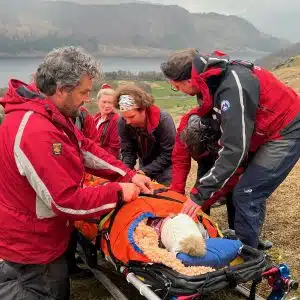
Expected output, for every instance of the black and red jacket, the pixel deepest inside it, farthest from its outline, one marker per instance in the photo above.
(251, 107)
(152, 145)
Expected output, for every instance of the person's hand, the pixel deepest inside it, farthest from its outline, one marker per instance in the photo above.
(130, 191)
(141, 172)
(190, 208)
(143, 183)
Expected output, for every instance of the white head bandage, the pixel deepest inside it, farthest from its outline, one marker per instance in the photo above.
(126, 102)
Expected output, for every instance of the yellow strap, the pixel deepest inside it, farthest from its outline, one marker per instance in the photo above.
(100, 226)
(237, 261)
(204, 215)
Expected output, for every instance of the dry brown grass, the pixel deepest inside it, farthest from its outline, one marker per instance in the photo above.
(281, 226)
(290, 73)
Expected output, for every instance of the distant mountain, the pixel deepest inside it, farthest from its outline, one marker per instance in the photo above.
(33, 27)
(275, 17)
(274, 60)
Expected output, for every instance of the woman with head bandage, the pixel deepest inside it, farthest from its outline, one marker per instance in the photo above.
(146, 133)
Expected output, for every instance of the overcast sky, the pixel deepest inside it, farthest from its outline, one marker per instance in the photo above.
(226, 6)
(278, 17)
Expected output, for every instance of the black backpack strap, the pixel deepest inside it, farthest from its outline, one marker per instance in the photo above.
(245, 63)
(157, 196)
(106, 232)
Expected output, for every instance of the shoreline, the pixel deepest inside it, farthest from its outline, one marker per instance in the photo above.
(146, 54)
(25, 56)
(137, 54)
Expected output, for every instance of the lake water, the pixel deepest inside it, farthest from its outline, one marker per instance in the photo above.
(22, 68)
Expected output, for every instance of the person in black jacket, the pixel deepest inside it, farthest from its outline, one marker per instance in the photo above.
(146, 133)
(259, 119)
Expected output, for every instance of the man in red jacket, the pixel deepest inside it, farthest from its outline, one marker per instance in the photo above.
(43, 157)
(255, 113)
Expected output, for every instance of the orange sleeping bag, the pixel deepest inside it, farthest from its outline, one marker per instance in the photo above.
(160, 205)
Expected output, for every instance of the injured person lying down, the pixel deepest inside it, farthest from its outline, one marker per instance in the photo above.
(151, 229)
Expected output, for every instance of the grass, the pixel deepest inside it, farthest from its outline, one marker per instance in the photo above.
(282, 220)
(165, 98)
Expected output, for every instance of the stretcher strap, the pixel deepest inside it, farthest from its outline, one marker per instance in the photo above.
(156, 195)
(106, 218)
(106, 232)
(207, 217)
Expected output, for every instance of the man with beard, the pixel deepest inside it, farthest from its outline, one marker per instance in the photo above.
(43, 158)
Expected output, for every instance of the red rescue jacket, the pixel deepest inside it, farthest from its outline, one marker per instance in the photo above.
(43, 158)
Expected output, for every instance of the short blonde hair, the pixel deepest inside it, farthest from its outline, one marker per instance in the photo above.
(141, 98)
(107, 92)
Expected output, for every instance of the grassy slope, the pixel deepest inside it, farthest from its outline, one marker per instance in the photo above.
(282, 223)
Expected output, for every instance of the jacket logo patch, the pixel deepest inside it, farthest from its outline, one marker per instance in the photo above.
(57, 148)
(225, 105)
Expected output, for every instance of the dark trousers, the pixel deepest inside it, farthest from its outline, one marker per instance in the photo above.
(70, 253)
(165, 177)
(268, 168)
(34, 282)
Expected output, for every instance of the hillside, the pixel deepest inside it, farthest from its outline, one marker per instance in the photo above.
(289, 72)
(279, 57)
(137, 29)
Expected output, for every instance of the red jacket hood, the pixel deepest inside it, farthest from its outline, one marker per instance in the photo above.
(21, 96)
(204, 67)
(152, 118)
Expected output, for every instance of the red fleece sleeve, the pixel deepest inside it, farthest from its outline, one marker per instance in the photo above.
(53, 166)
(99, 162)
(181, 165)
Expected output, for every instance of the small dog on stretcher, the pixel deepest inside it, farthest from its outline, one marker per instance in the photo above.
(151, 229)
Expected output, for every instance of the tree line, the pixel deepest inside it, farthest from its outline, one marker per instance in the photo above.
(122, 75)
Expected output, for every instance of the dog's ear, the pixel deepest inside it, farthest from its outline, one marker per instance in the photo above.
(193, 245)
